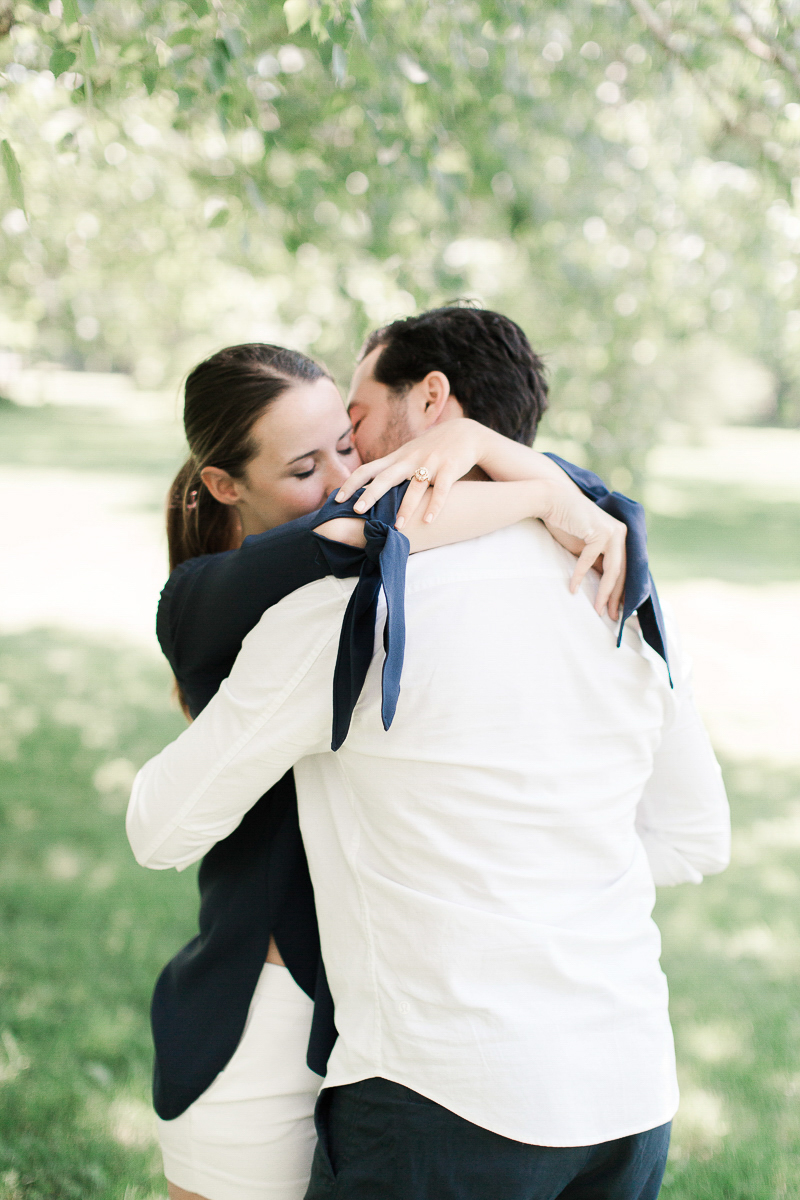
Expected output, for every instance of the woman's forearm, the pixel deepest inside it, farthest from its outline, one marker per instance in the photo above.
(475, 509)
(504, 460)
(472, 509)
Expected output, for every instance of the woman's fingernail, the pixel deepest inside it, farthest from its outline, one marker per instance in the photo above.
(340, 497)
(428, 518)
(400, 522)
(359, 506)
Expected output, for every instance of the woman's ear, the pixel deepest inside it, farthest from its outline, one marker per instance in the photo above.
(223, 487)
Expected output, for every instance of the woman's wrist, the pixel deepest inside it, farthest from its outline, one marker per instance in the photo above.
(542, 494)
(507, 461)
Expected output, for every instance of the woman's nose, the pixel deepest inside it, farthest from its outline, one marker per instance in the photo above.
(339, 470)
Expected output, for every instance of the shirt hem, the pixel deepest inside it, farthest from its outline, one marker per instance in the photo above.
(625, 1129)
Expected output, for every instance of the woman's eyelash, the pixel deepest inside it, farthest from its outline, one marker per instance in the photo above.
(349, 450)
(306, 474)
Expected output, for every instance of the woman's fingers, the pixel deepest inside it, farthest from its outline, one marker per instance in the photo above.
(586, 560)
(617, 593)
(414, 497)
(610, 548)
(360, 478)
(442, 484)
(613, 562)
(386, 479)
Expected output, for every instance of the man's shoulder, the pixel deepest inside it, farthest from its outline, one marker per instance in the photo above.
(522, 549)
(315, 599)
(295, 634)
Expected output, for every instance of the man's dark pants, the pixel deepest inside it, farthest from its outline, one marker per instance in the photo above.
(381, 1141)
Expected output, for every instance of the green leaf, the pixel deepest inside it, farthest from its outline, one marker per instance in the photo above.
(297, 13)
(186, 97)
(225, 109)
(13, 174)
(221, 218)
(235, 43)
(181, 37)
(71, 11)
(86, 6)
(89, 48)
(150, 79)
(61, 60)
(198, 7)
(218, 65)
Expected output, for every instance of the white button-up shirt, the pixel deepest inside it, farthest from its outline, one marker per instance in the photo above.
(483, 871)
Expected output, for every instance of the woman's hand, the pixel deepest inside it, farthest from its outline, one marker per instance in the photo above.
(596, 538)
(448, 452)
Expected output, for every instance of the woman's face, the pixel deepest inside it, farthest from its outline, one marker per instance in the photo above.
(305, 451)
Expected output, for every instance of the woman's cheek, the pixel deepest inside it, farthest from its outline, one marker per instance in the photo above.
(310, 494)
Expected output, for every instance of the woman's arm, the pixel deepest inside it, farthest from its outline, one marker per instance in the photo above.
(474, 509)
(210, 604)
(448, 452)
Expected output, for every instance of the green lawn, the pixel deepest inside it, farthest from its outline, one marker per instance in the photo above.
(725, 532)
(84, 930)
(88, 439)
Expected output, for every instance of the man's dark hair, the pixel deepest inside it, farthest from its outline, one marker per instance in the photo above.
(492, 368)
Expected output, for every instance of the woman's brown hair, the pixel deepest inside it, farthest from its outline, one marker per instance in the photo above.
(225, 396)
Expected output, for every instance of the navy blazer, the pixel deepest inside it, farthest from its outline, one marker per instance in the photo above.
(255, 883)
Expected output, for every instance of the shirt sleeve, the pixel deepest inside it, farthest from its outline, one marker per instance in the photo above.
(274, 709)
(683, 818)
(211, 603)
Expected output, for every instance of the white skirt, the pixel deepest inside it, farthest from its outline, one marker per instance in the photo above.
(251, 1136)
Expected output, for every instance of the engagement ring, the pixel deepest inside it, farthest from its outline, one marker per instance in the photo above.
(422, 475)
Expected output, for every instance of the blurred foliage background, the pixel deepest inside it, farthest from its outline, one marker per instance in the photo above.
(623, 180)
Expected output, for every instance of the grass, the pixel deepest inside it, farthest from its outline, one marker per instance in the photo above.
(84, 930)
(724, 532)
(87, 439)
(731, 954)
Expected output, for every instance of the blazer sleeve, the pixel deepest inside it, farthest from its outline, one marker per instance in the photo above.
(211, 603)
(274, 709)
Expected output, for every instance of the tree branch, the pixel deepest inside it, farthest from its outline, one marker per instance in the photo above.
(664, 35)
(766, 45)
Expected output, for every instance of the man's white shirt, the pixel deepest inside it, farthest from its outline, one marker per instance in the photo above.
(484, 870)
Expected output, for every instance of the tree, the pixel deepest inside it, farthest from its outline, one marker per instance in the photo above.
(617, 177)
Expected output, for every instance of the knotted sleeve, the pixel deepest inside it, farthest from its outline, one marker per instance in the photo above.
(383, 566)
(640, 591)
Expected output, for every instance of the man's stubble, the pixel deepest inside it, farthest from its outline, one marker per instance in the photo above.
(395, 433)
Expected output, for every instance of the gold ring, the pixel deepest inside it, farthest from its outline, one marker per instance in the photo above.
(422, 475)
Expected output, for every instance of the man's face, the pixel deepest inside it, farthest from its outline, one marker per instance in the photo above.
(382, 422)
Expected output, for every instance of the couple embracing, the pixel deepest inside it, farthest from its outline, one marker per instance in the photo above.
(435, 770)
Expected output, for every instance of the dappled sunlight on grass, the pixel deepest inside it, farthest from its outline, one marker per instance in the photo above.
(731, 954)
(84, 929)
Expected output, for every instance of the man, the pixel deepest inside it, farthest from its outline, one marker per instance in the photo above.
(480, 868)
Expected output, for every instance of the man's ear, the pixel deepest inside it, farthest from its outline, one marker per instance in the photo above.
(433, 393)
(223, 487)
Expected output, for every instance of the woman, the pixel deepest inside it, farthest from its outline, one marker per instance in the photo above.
(236, 1009)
